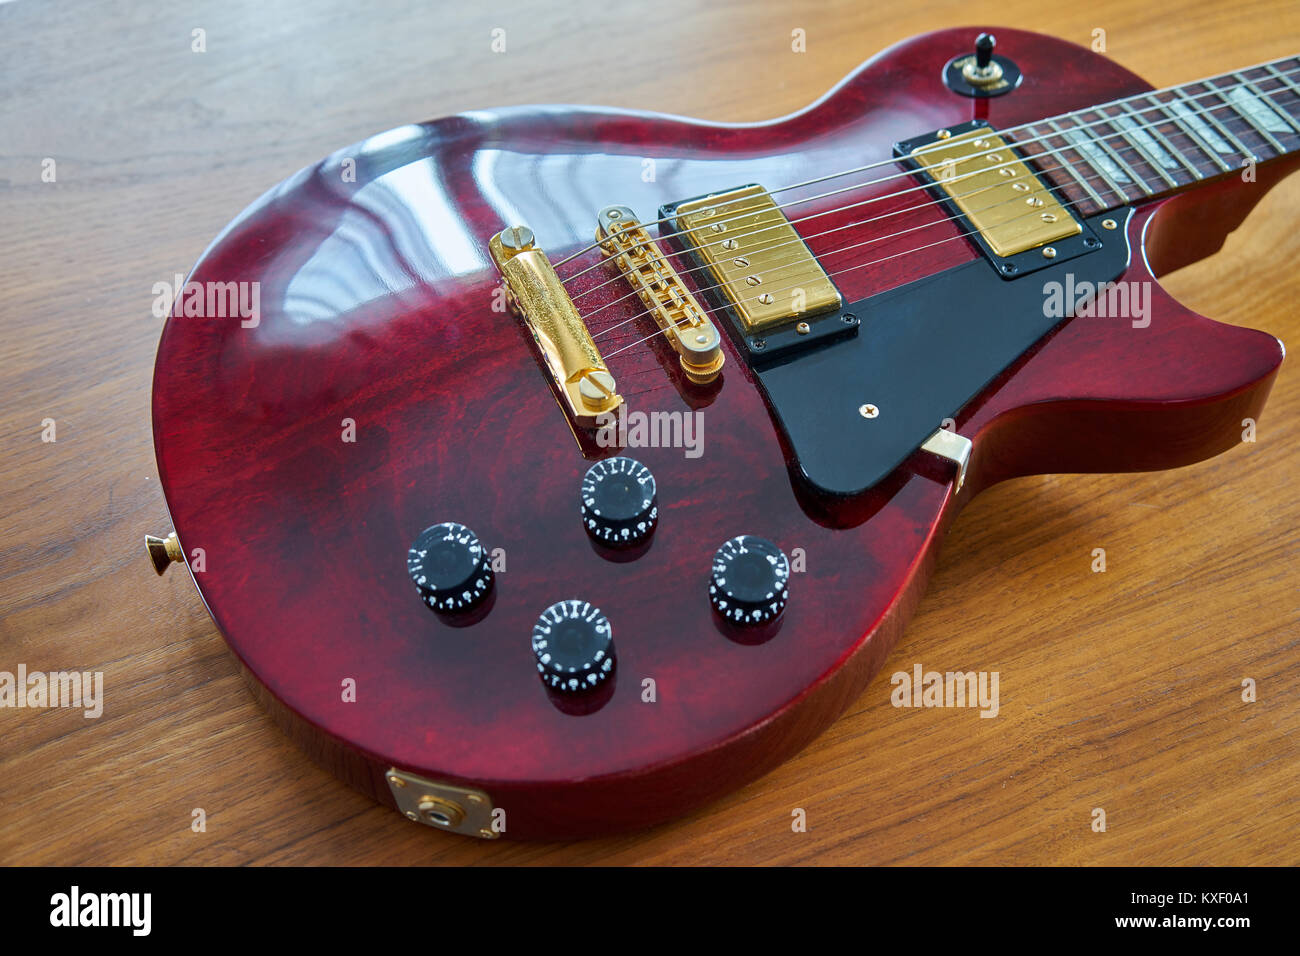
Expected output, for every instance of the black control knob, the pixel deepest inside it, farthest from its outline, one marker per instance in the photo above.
(984, 44)
(449, 567)
(750, 583)
(574, 646)
(620, 505)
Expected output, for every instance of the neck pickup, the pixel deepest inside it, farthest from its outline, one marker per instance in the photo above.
(986, 179)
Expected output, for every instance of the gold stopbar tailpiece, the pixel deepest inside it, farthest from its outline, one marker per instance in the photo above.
(535, 291)
(999, 194)
(766, 271)
(686, 328)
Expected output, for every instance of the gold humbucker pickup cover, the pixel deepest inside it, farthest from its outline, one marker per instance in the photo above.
(998, 193)
(535, 291)
(767, 273)
(686, 327)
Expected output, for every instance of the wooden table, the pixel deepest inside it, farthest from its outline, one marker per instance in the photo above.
(1120, 690)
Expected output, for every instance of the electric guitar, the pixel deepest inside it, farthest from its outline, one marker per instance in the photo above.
(552, 471)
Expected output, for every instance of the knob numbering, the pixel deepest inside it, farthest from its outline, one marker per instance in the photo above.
(750, 580)
(620, 503)
(450, 567)
(574, 647)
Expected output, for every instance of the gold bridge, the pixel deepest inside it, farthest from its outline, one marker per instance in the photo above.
(685, 325)
(535, 291)
(999, 194)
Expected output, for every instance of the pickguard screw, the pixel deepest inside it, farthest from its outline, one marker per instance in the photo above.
(758, 344)
(1049, 253)
(868, 410)
(1010, 268)
(848, 318)
(803, 328)
(1108, 224)
(1091, 242)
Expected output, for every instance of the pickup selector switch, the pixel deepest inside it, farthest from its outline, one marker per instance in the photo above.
(574, 647)
(620, 505)
(750, 582)
(449, 567)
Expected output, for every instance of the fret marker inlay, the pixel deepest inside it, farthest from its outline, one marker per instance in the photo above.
(1201, 128)
(1098, 157)
(1147, 142)
(1256, 111)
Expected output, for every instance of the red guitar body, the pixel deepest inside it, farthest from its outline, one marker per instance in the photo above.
(376, 295)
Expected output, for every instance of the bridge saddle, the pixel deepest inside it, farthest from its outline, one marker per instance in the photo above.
(685, 325)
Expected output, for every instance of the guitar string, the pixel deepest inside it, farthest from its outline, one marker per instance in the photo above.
(1211, 90)
(1208, 81)
(917, 206)
(860, 265)
(1069, 145)
(834, 252)
(1065, 165)
(837, 272)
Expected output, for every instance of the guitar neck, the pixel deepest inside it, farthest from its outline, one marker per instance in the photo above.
(1155, 143)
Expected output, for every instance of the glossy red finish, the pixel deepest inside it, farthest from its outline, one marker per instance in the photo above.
(376, 306)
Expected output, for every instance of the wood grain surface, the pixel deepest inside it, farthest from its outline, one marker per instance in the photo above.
(1120, 690)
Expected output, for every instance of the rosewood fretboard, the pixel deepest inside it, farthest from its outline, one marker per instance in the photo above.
(1137, 148)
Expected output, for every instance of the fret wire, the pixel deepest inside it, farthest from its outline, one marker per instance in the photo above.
(1137, 144)
(1192, 135)
(1249, 127)
(847, 172)
(1101, 142)
(1250, 123)
(1286, 80)
(1267, 95)
(1208, 117)
(1081, 181)
(1170, 148)
(1101, 170)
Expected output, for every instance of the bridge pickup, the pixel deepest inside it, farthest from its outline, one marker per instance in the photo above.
(686, 326)
(767, 272)
(759, 272)
(581, 376)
